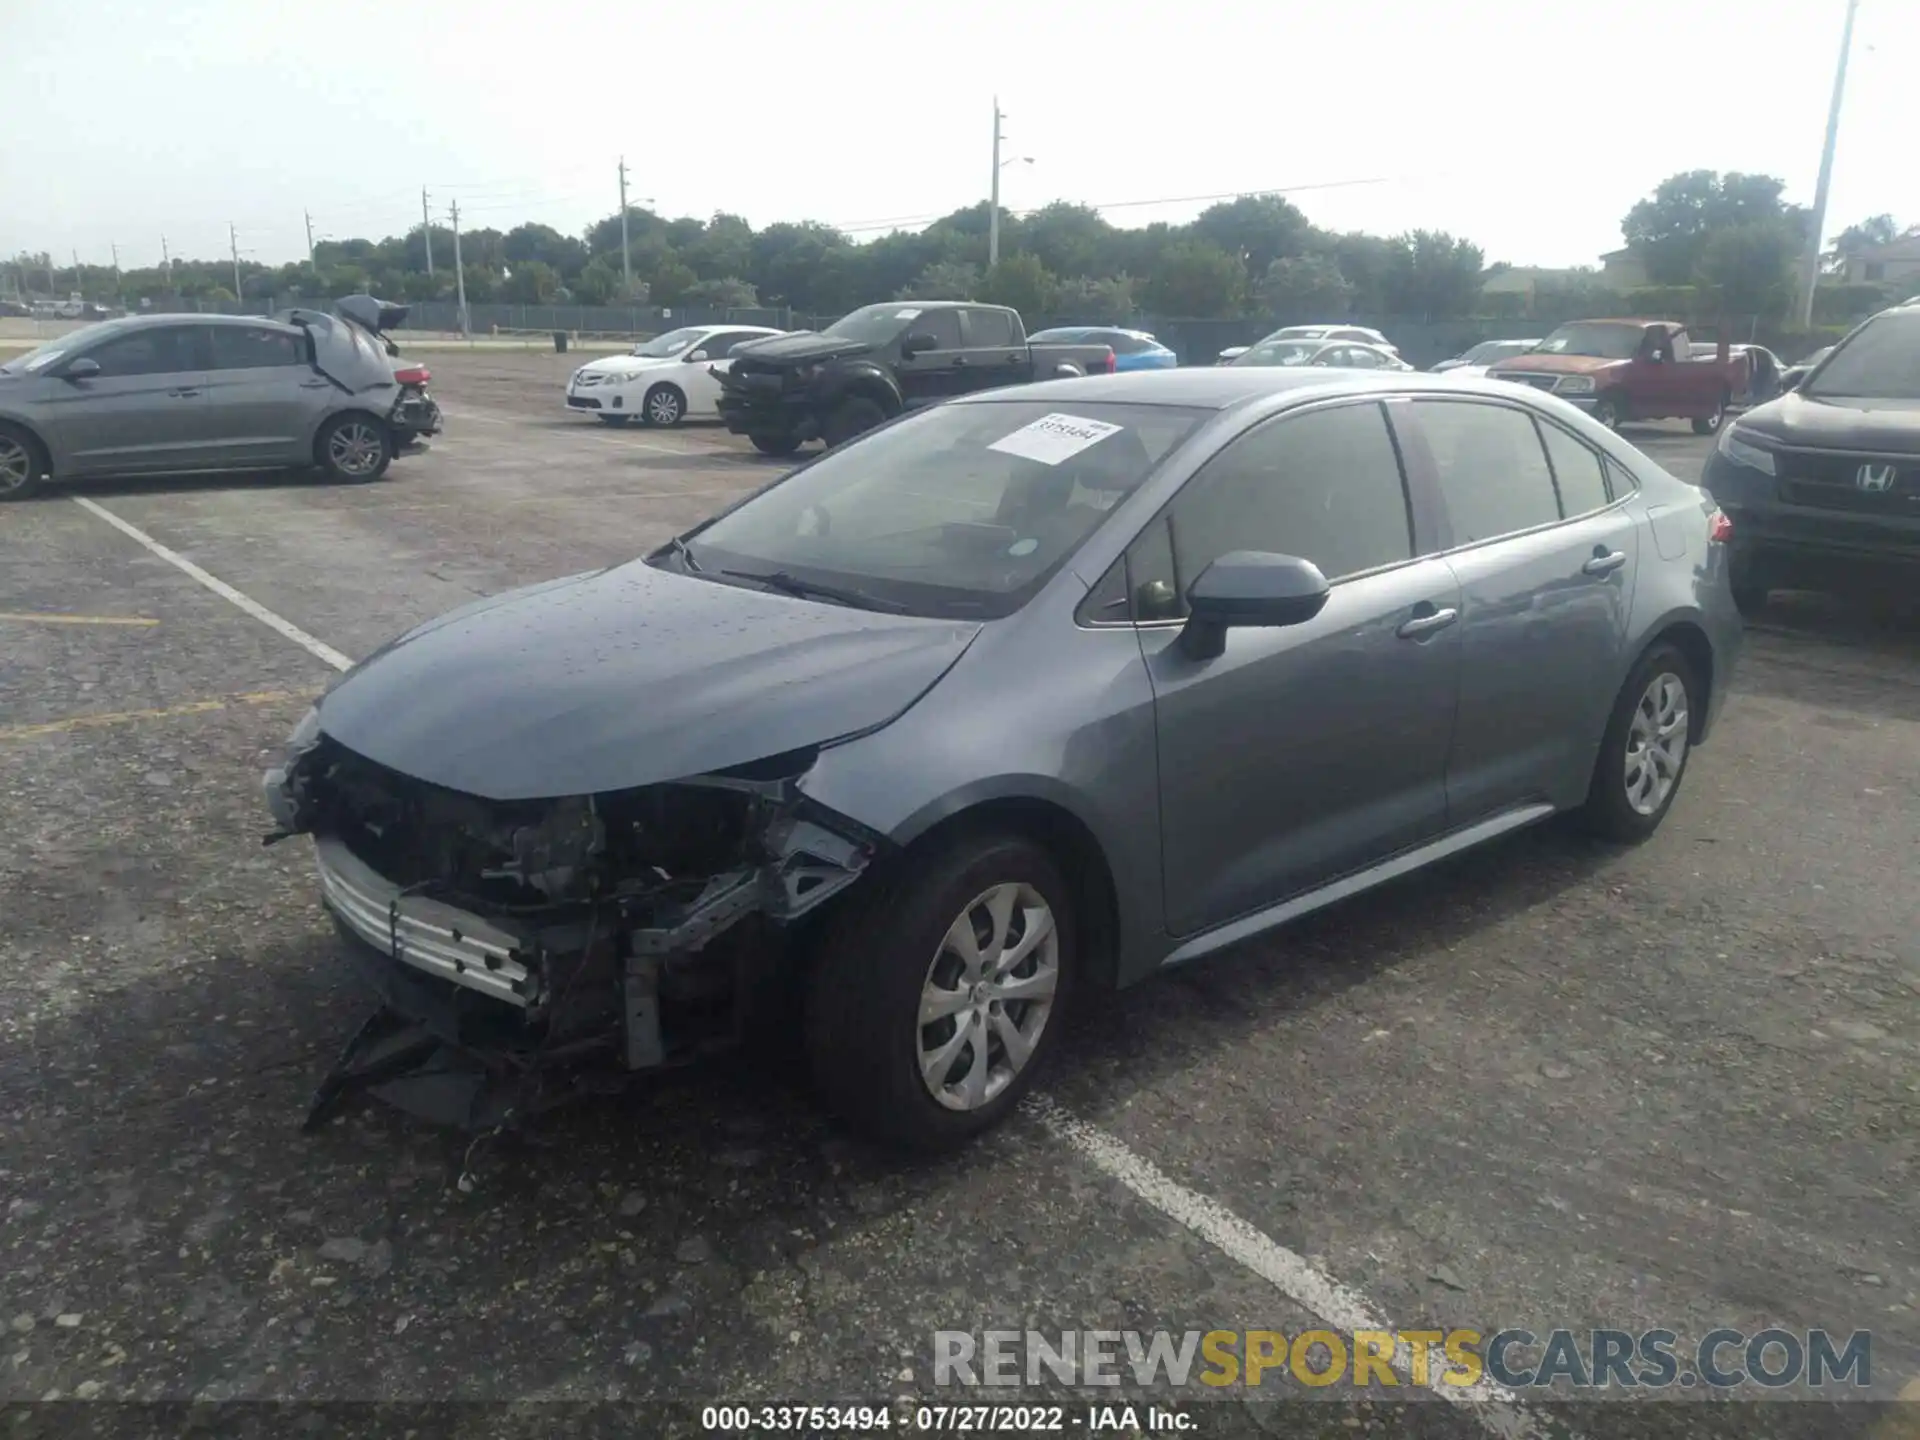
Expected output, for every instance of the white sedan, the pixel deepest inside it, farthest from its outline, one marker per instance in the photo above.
(660, 381)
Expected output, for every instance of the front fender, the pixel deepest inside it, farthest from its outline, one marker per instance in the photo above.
(863, 377)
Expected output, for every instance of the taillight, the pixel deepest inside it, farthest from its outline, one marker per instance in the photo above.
(413, 375)
(1719, 528)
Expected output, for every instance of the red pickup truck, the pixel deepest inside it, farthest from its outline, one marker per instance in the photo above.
(1619, 370)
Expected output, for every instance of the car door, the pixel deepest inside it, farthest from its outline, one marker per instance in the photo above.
(933, 375)
(144, 411)
(264, 399)
(1545, 560)
(696, 380)
(1304, 753)
(1652, 379)
(994, 354)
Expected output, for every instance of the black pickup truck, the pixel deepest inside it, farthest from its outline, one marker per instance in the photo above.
(867, 367)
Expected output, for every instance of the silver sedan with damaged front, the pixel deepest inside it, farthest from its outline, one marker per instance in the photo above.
(1022, 695)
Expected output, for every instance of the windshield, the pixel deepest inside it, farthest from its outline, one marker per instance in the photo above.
(1879, 361)
(1600, 340)
(55, 348)
(960, 511)
(1488, 351)
(873, 324)
(1280, 352)
(669, 344)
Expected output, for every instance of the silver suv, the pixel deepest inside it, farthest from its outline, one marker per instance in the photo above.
(152, 394)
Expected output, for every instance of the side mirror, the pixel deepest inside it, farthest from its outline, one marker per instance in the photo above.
(695, 357)
(1249, 588)
(918, 343)
(81, 369)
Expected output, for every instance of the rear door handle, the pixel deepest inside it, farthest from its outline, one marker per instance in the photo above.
(186, 392)
(316, 384)
(1605, 564)
(1421, 626)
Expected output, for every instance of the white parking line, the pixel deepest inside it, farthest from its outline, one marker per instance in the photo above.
(220, 587)
(1493, 1406)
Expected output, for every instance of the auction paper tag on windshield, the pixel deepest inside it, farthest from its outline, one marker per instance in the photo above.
(906, 314)
(1053, 438)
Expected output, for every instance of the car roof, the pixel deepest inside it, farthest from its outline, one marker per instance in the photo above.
(1222, 387)
(148, 322)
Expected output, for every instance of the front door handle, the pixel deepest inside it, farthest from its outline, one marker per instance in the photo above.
(1605, 562)
(186, 392)
(1423, 625)
(316, 384)
(960, 361)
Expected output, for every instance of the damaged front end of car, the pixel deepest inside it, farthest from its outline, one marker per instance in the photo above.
(526, 952)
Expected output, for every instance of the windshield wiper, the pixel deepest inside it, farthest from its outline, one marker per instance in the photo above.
(792, 584)
(679, 547)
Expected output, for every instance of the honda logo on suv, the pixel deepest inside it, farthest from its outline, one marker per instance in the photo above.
(1874, 479)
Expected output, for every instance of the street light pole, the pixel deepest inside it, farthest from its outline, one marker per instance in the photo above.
(459, 270)
(1810, 262)
(993, 205)
(626, 262)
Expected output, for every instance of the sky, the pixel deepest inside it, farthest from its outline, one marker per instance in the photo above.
(1528, 128)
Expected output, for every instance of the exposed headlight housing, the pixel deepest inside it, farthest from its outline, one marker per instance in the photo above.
(1745, 447)
(1574, 385)
(306, 734)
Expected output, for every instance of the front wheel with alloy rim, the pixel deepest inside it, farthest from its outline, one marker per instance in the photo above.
(932, 1002)
(1643, 756)
(22, 463)
(664, 405)
(354, 449)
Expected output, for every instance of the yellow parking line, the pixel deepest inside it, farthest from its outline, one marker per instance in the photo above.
(126, 717)
(35, 617)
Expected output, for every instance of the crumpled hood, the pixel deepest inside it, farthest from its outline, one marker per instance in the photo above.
(1551, 365)
(1841, 423)
(628, 676)
(800, 347)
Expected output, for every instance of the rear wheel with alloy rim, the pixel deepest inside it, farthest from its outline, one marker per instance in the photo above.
(22, 463)
(664, 405)
(933, 1001)
(1710, 424)
(774, 444)
(1643, 756)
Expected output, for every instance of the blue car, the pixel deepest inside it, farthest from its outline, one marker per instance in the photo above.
(1132, 349)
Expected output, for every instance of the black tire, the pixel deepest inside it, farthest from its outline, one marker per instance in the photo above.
(870, 964)
(1751, 588)
(354, 449)
(1607, 411)
(855, 416)
(775, 444)
(1608, 812)
(664, 405)
(1710, 424)
(23, 463)
(613, 419)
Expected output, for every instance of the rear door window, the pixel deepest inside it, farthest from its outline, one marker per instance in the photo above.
(1491, 466)
(1578, 472)
(943, 325)
(245, 347)
(989, 329)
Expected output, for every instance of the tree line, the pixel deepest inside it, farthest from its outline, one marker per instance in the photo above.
(1723, 243)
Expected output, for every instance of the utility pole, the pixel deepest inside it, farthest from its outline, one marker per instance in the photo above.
(76, 270)
(459, 271)
(1810, 262)
(166, 263)
(993, 205)
(233, 243)
(426, 229)
(114, 250)
(312, 264)
(626, 263)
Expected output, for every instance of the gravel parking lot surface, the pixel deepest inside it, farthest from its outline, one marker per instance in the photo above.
(1546, 1085)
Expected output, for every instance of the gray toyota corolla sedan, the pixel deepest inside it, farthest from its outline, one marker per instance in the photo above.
(1041, 690)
